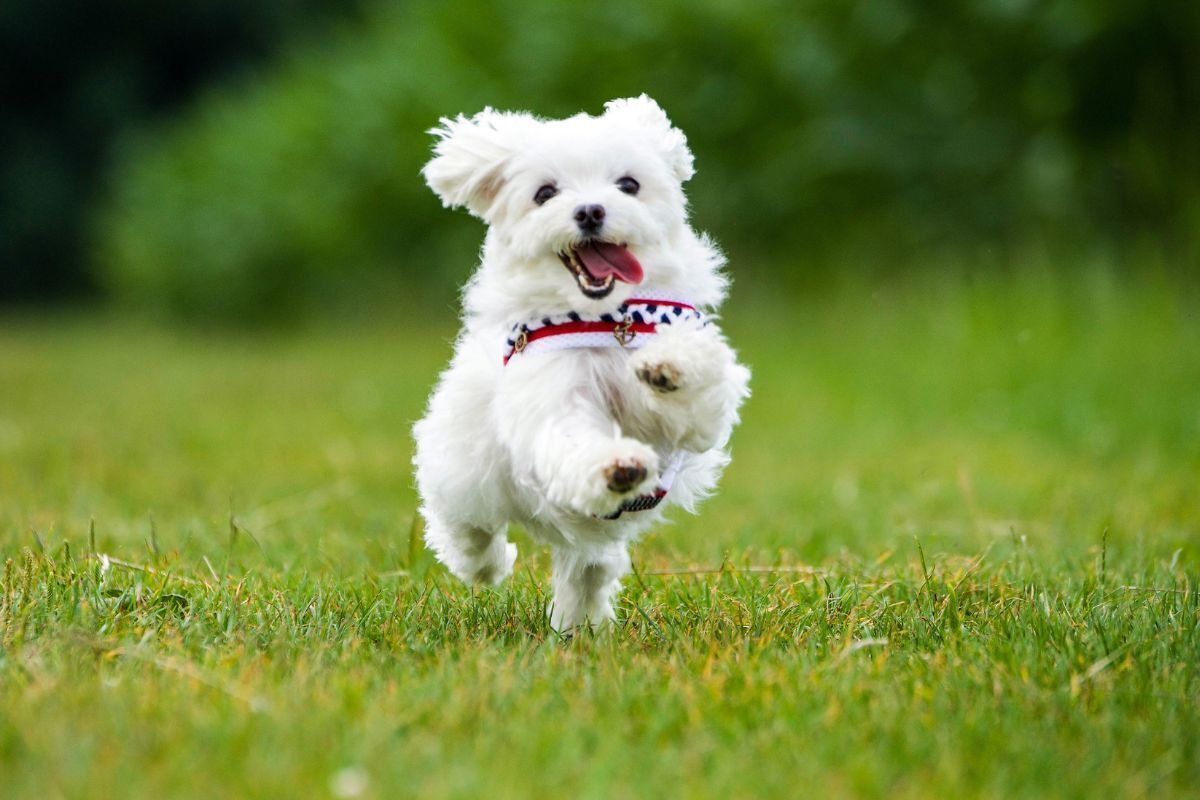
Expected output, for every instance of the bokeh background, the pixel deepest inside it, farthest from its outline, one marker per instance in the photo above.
(257, 162)
(964, 241)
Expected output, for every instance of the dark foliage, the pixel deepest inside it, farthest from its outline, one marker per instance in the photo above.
(830, 135)
(75, 74)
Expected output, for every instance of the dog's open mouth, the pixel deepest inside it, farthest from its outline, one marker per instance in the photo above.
(596, 265)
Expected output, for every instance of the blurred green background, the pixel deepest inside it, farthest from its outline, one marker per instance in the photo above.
(964, 242)
(258, 161)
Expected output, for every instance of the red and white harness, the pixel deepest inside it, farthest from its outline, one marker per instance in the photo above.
(631, 325)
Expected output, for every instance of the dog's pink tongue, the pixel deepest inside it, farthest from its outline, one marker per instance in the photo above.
(602, 259)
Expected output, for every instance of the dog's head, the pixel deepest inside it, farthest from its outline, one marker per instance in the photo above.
(574, 201)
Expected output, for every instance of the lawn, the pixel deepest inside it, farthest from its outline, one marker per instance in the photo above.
(956, 555)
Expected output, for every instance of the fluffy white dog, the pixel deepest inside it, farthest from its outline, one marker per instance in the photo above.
(589, 386)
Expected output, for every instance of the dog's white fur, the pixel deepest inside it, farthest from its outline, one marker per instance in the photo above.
(531, 442)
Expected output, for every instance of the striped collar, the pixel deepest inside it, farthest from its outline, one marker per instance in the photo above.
(630, 325)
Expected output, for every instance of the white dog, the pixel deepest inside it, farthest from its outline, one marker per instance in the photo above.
(589, 386)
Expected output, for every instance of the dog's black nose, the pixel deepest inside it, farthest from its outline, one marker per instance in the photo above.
(590, 218)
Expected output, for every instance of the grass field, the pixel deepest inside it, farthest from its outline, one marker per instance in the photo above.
(956, 555)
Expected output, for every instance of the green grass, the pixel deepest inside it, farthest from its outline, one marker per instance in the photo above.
(979, 499)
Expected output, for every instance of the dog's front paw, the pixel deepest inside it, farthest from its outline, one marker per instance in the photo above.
(662, 377)
(604, 476)
(624, 475)
(693, 386)
(681, 362)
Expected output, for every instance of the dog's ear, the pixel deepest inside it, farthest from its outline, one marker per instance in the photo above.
(647, 114)
(467, 169)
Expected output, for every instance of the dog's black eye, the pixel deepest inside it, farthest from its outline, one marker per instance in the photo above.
(544, 193)
(628, 185)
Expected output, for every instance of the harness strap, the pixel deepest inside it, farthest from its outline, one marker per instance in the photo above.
(645, 502)
(629, 326)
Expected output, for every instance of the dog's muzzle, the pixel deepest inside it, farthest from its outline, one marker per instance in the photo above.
(597, 265)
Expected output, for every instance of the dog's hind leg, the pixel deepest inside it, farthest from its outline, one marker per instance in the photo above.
(585, 585)
(474, 554)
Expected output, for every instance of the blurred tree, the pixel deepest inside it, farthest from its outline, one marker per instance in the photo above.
(73, 75)
(871, 133)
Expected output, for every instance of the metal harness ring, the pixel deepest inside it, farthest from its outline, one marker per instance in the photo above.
(624, 332)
